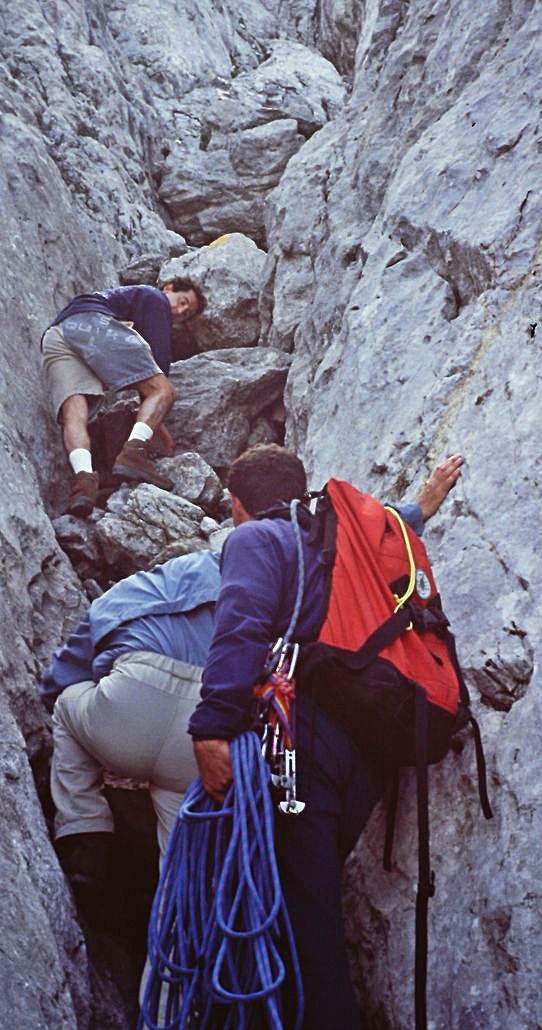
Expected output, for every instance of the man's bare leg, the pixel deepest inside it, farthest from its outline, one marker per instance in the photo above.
(84, 491)
(74, 414)
(439, 484)
(157, 395)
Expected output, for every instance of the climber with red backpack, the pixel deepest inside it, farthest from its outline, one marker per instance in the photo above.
(375, 665)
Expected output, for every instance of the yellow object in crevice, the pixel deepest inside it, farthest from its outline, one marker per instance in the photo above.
(219, 240)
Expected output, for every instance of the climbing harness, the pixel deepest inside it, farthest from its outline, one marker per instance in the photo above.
(220, 943)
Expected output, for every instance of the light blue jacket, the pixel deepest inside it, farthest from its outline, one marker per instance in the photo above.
(179, 585)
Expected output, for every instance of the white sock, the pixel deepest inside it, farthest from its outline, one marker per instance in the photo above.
(141, 431)
(80, 460)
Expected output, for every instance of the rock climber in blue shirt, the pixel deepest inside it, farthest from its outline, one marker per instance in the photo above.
(110, 340)
(259, 576)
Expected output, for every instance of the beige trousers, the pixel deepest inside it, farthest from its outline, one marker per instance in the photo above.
(133, 723)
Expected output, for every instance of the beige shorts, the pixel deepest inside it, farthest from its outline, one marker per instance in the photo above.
(92, 352)
(66, 374)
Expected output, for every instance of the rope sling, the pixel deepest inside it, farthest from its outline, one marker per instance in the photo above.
(220, 942)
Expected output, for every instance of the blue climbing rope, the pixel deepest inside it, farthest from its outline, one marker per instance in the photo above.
(220, 943)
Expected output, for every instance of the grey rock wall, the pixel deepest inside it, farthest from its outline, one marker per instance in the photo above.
(91, 100)
(404, 273)
(43, 969)
(387, 156)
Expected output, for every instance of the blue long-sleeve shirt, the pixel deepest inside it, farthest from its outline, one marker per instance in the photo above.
(259, 571)
(147, 307)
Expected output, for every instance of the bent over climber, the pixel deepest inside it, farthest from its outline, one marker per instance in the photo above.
(110, 340)
(339, 784)
(125, 684)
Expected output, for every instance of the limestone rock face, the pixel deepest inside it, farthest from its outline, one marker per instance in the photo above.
(237, 137)
(410, 296)
(44, 976)
(400, 296)
(220, 394)
(43, 971)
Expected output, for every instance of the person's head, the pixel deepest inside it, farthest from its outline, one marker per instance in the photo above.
(185, 298)
(261, 477)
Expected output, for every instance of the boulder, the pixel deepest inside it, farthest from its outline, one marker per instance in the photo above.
(144, 526)
(144, 267)
(223, 189)
(229, 272)
(241, 136)
(220, 395)
(194, 480)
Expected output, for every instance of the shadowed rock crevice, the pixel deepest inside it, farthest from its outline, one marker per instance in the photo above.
(466, 269)
(505, 677)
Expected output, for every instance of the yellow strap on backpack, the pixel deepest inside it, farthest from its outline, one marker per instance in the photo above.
(412, 581)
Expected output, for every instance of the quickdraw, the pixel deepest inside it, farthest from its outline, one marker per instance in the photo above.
(276, 716)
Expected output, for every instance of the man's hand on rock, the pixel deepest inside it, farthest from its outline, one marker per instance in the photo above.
(439, 484)
(213, 758)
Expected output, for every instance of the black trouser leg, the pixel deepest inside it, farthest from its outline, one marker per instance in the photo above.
(311, 849)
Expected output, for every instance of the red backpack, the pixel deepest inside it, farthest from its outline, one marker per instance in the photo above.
(385, 663)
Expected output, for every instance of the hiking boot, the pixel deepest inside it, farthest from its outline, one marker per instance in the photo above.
(83, 494)
(85, 858)
(133, 463)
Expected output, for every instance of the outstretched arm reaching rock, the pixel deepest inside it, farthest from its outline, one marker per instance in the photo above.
(439, 484)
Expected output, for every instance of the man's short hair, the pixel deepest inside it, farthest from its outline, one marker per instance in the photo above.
(266, 474)
(182, 282)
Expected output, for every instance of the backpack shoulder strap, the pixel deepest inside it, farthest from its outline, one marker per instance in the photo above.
(281, 510)
(324, 528)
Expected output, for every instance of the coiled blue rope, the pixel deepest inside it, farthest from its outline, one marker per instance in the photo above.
(220, 942)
